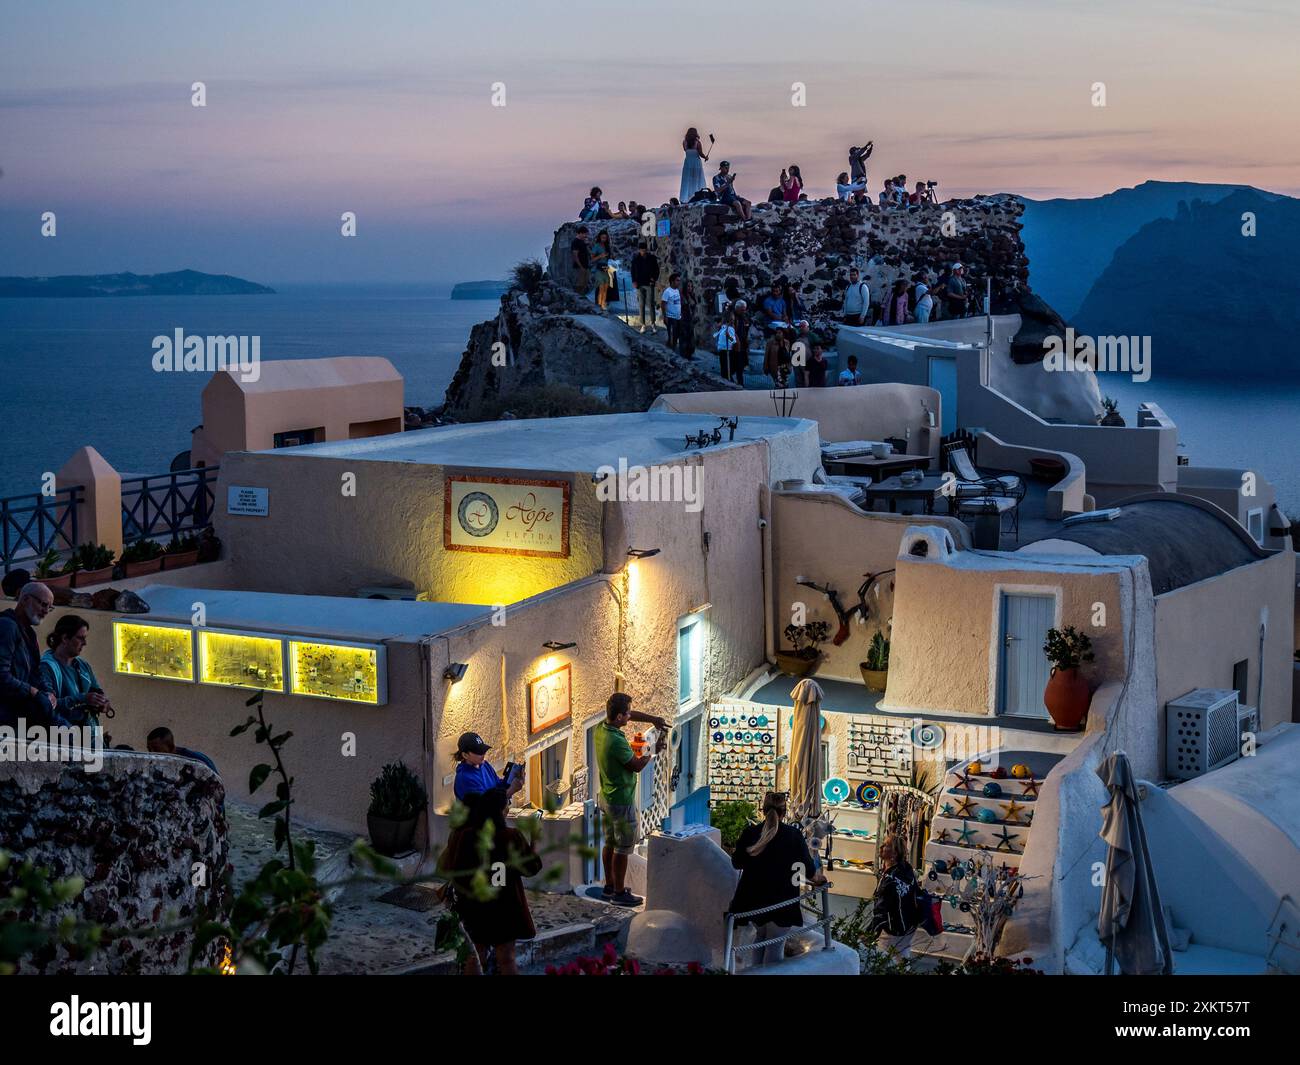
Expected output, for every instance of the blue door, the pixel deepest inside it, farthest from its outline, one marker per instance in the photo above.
(1024, 669)
(943, 379)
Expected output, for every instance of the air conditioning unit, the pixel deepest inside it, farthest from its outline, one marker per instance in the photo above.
(387, 592)
(1201, 732)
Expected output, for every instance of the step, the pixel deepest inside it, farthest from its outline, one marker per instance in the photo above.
(1025, 790)
(1003, 838)
(956, 852)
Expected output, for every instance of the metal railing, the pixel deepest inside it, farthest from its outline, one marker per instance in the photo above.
(32, 525)
(165, 505)
(733, 952)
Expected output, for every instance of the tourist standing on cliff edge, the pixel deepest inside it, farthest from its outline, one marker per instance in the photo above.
(693, 165)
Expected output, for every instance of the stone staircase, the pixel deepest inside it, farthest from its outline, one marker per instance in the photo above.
(983, 821)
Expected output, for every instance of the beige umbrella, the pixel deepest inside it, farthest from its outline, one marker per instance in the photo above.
(806, 752)
(1131, 923)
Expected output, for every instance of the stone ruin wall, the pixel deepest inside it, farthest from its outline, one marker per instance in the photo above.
(815, 243)
(134, 831)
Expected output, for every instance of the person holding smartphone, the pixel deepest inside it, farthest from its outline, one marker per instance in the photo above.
(473, 773)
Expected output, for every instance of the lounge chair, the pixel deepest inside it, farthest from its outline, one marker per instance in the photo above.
(971, 485)
(974, 507)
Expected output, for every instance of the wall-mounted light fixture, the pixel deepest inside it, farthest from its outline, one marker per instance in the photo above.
(701, 608)
(637, 552)
(454, 671)
(555, 645)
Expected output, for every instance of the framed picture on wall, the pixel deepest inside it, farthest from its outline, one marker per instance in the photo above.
(550, 698)
(506, 516)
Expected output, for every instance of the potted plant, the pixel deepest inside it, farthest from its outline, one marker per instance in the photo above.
(52, 571)
(93, 564)
(1110, 412)
(875, 670)
(141, 557)
(396, 799)
(1067, 694)
(805, 656)
(181, 551)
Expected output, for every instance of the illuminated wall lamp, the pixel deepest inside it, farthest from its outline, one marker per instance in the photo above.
(637, 552)
(701, 608)
(555, 645)
(454, 671)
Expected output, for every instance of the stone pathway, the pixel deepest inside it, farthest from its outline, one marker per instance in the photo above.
(380, 929)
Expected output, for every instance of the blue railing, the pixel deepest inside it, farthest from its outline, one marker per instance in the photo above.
(164, 505)
(33, 525)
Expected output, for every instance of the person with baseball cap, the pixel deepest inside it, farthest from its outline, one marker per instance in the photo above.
(473, 773)
(955, 294)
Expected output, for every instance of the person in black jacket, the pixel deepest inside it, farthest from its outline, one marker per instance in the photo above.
(645, 273)
(22, 692)
(893, 912)
(769, 856)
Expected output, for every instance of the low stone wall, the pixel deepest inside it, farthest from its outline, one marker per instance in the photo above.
(814, 243)
(141, 831)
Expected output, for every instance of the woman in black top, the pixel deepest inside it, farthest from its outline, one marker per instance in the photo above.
(767, 855)
(893, 914)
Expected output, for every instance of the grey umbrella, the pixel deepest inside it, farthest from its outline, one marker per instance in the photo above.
(1131, 923)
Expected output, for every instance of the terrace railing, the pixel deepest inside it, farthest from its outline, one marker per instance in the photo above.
(732, 950)
(164, 505)
(32, 525)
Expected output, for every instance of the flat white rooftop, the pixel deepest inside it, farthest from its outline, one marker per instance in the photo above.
(579, 444)
(309, 615)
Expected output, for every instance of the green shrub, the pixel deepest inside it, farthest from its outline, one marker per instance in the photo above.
(732, 818)
(878, 652)
(142, 551)
(396, 793)
(1066, 648)
(91, 556)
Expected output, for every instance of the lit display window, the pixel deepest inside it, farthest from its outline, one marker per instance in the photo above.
(355, 672)
(165, 651)
(241, 660)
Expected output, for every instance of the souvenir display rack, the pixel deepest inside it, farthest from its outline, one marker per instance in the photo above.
(351, 671)
(234, 659)
(159, 650)
(742, 754)
(879, 750)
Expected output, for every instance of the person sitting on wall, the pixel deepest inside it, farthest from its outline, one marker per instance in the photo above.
(724, 187)
(774, 864)
(161, 741)
(618, 768)
(64, 672)
(851, 376)
(22, 691)
(850, 190)
(473, 773)
(775, 310)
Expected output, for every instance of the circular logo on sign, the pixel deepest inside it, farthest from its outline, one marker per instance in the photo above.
(477, 513)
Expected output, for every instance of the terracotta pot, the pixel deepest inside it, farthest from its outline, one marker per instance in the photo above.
(391, 838)
(794, 665)
(1067, 697)
(139, 569)
(180, 558)
(875, 679)
(84, 578)
(63, 580)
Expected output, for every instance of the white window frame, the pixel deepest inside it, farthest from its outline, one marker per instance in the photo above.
(537, 751)
(694, 698)
(1252, 515)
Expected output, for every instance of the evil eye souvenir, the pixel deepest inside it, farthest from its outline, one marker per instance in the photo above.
(928, 737)
(958, 871)
(713, 722)
(753, 721)
(717, 737)
(992, 789)
(729, 736)
(940, 866)
(767, 737)
(868, 794)
(762, 721)
(835, 790)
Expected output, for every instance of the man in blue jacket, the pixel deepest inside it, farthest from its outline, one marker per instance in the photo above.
(22, 692)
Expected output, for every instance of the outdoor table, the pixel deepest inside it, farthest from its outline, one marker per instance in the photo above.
(877, 469)
(893, 489)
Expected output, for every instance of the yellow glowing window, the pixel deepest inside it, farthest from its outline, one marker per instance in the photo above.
(165, 651)
(241, 660)
(354, 672)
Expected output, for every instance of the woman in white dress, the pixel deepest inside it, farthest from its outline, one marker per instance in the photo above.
(693, 165)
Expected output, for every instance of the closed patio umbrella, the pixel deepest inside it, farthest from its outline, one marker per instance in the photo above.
(806, 751)
(1131, 923)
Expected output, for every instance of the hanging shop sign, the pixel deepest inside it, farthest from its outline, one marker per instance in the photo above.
(504, 516)
(550, 698)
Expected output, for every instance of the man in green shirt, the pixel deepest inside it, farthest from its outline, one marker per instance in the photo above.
(618, 768)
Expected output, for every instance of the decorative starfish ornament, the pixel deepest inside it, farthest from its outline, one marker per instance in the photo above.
(1011, 810)
(965, 834)
(965, 807)
(942, 837)
(947, 809)
(1006, 839)
(963, 780)
(1031, 787)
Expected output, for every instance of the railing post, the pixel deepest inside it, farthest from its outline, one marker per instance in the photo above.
(826, 914)
(728, 953)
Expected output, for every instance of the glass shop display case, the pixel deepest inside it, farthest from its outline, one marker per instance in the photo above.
(157, 649)
(354, 672)
(241, 659)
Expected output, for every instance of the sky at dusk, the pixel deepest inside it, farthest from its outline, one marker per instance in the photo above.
(385, 109)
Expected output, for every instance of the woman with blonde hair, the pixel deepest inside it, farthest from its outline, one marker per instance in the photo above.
(775, 866)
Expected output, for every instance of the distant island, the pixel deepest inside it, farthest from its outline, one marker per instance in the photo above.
(479, 290)
(177, 283)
